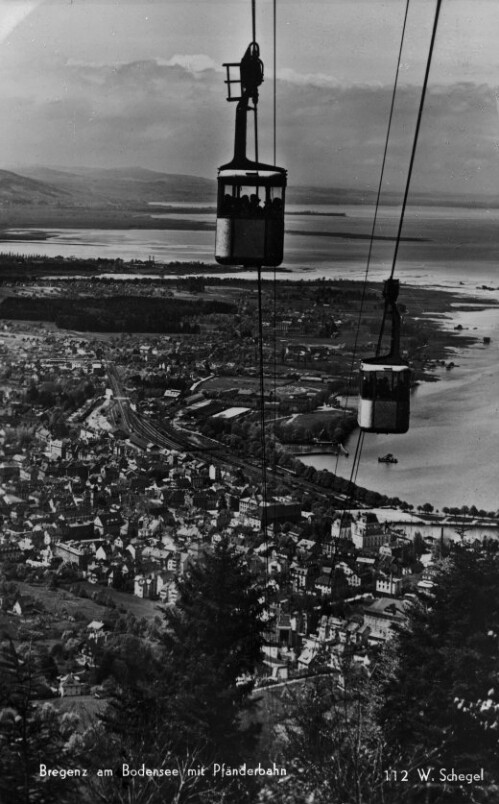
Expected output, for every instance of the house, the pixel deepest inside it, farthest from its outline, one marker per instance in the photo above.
(305, 547)
(206, 500)
(430, 572)
(79, 554)
(97, 574)
(214, 472)
(341, 528)
(301, 577)
(9, 471)
(100, 554)
(78, 530)
(58, 448)
(16, 609)
(367, 532)
(147, 585)
(324, 585)
(352, 577)
(275, 663)
(10, 551)
(279, 512)
(276, 667)
(382, 615)
(247, 504)
(167, 587)
(71, 686)
(390, 585)
(109, 523)
(96, 630)
(308, 654)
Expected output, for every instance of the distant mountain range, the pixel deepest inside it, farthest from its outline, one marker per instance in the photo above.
(134, 188)
(125, 188)
(22, 190)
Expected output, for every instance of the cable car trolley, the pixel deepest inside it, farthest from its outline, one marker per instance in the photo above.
(250, 203)
(384, 396)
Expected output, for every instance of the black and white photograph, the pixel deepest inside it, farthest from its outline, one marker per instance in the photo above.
(249, 402)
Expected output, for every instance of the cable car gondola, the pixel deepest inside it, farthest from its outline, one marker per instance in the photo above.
(250, 203)
(385, 380)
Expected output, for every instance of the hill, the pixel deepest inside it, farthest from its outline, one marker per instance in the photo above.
(126, 188)
(24, 190)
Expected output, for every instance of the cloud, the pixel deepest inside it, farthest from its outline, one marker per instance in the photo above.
(143, 112)
(12, 13)
(172, 115)
(193, 63)
(304, 79)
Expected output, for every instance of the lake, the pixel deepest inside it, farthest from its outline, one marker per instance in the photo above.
(450, 456)
(448, 246)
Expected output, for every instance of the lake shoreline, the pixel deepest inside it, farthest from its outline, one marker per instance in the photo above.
(449, 456)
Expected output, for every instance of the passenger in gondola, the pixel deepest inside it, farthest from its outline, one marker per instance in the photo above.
(383, 388)
(368, 386)
(228, 204)
(277, 207)
(254, 204)
(244, 206)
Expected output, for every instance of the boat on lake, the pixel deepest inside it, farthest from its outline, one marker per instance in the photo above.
(388, 458)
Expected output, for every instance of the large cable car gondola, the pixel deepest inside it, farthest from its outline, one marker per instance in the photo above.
(385, 380)
(250, 204)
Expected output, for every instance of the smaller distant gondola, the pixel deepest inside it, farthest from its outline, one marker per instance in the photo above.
(385, 380)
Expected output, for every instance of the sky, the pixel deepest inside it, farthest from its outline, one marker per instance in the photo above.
(117, 83)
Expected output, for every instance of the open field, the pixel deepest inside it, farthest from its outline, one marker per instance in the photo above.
(63, 604)
(221, 384)
(316, 417)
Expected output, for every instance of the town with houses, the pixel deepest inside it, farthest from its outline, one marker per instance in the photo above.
(102, 510)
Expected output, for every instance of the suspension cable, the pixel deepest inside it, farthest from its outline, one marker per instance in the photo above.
(255, 103)
(274, 398)
(262, 414)
(255, 110)
(275, 76)
(412, 157)
(260, 349)
(260, 322)
(274, 86)
(416, 134)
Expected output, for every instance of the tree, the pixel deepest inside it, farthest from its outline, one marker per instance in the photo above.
(31, 734)
(446, 666)
(427, 508)
(213, 639)
(419, 544)
(192, 703)
(330, 743)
